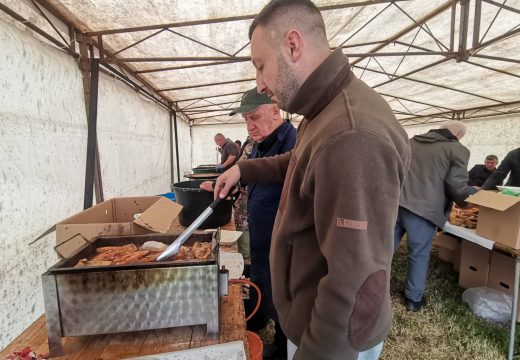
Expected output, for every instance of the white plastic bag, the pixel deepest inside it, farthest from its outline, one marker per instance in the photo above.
(489, 304)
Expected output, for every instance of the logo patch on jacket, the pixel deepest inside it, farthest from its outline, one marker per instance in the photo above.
(351, 224)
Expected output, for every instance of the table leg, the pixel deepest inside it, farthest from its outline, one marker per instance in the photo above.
(515, 310)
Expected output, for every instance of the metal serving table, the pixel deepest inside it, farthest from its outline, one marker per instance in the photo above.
(134, 297)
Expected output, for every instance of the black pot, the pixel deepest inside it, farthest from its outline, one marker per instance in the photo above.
(195, 200)
(204, 169)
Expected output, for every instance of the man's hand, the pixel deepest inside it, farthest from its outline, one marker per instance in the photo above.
(226, 181)
(219, 168)
(207, 185)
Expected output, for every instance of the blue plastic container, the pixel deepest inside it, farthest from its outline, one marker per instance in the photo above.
(169, 195)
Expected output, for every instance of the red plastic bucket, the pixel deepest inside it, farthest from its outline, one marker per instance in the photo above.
(255, 346)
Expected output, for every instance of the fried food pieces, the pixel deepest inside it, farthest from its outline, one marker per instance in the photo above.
(147, 253)
(464, 217)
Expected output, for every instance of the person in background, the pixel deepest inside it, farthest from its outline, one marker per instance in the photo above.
(228, 152)
(480, 173)
(438, 176)
(331, 248)
(239, 146)
(510, 165)
(272, 136)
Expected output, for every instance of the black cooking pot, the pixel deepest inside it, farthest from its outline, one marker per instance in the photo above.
(195, 200)
(204, 169)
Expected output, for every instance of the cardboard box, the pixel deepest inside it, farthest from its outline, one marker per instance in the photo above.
(446, 246)
(499, 217)
(502, 274)
(116, 217)
(457, 256)
(474, 265)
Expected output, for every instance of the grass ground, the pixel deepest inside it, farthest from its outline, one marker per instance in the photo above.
(446, 328)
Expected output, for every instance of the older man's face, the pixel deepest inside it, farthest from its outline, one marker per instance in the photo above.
(261, 122)
(274, 75)
(490, 165)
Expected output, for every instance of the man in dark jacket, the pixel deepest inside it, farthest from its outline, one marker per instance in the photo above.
(510, 165)
(332, 247)
(480, 173)
(272, 136)
(438, 176)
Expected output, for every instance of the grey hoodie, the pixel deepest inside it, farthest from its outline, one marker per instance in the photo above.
(438, 176)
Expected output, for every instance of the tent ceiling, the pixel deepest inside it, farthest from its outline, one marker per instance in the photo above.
(195, 54)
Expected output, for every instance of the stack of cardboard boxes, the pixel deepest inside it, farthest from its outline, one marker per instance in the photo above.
(499, 220)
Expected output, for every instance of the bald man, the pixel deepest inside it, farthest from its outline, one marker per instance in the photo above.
(229, 152)
(438, 177)
(331, 247)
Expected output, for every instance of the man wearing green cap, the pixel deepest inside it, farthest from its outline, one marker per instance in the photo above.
(272, 137)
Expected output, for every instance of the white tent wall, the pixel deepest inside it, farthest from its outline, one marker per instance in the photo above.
(486, 136)
(43, 140)
(204, 145)
(134, 145)
(43, 136)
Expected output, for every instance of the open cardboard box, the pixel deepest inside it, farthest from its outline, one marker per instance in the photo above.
(499, 217)
(118, 216)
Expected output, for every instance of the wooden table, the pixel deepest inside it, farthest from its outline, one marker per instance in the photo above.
(125, 345)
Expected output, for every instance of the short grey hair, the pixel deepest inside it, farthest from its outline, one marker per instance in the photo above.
(456, 127)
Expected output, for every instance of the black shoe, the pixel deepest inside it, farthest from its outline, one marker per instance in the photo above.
(415, 306)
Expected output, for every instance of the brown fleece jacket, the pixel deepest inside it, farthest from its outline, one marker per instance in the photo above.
(332, 241)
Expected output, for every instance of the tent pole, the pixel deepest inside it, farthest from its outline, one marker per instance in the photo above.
(176, 145)
(92, 135)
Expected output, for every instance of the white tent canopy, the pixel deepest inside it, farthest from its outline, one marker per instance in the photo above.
(431, 60)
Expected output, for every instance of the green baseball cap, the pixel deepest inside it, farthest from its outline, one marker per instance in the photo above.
(250, 101)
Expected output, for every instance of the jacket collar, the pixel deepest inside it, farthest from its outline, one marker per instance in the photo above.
(322, 85)
(277, 136)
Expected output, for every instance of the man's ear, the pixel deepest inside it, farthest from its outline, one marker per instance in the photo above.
(294, 43)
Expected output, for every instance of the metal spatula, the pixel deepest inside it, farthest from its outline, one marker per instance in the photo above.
(174, 247)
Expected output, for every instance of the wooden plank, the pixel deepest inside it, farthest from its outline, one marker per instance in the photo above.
(118, 346)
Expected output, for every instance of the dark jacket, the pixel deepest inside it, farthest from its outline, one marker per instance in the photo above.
(332, 239)
(478, 175)
(263, 198)
(229, 149)
(438, 176)
(510, 164)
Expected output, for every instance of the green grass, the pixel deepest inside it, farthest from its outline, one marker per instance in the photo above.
(446, 328)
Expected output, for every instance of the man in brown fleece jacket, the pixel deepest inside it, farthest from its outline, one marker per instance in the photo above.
(332, 239)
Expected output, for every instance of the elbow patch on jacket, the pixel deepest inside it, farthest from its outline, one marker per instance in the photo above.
(369, 300)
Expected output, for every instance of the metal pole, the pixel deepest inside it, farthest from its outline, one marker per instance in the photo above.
(36, 29)
(92, 136)
(176, 145)
(463, 30)
(452, 27)
(515, 310)
(476, 23)
(172, 172)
